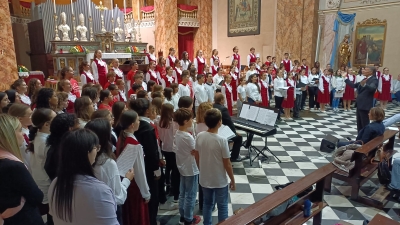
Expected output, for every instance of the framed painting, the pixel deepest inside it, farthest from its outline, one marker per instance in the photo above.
(244, 17)
(369, 47)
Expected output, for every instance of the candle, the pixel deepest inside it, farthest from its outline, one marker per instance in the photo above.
(112, 10)
(138, 9)
(366, 61)
(90, 12)
(72, 8)
(55, 11)
(124, 6)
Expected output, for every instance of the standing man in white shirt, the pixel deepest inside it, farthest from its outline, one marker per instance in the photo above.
(210, 87)
(184, 88)
(200, 91)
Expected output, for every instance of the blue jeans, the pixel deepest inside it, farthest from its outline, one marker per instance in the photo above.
(395, 182)
(335, 103)
(392, 120)
(212, 196)
(187, 196)
(397, 95)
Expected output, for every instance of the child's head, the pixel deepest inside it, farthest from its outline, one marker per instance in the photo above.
(133, 64)
(115, 63)
(151, 48)
(92, 93)
(157, 94)
(157, 103)
(234, 62)
(113, 89)
(22, 112)
(137, 87)
(167, 114)
(105, 96)
(64, 85)
(171, 51)
(129, 120)
(161, 61)
(185, 102)
(232, 68)
(376, 114)
(242, 81)
(216, 62)
(140, 105)
(150, 85)
(220, 71)
(228, 78)
(183, 117)
(206, 68)
(142, 94)
(269, 58)
(169, 70)
(235, 49)
(214, 52)
(111, 76)
(303, 72)
(274, 59)
(209, 77)
(201, 111)
(185, 76)
(175, 88)
(252, 78)
(200, 78)
(177, 63)
(199, 53)
(168, 93)
(286, 55)
(157, 88)
(138, 77)
(304, 61)
(120, 84)
(213, 118)
(252, 50)
(252, 66)
(152, 65)
(296, 62)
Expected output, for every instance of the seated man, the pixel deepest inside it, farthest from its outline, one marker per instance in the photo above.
(219, 101)
(372, 130)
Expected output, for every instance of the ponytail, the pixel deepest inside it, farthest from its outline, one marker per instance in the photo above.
(32, 134)
(39, 118)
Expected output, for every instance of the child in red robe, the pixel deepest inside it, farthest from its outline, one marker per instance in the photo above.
(385, 88)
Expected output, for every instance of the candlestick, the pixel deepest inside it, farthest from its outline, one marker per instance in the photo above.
(102, 8)
(124, 8)
(113, 29)
(74, 28)
(54, 3)
(91, 28)
(56, 38)
(112, 10)
(90, 11)
(138, 9)
(72, 8)
(366, 61)
(140, 36)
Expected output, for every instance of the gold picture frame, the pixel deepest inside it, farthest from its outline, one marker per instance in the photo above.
(244, 17)
(369, 42)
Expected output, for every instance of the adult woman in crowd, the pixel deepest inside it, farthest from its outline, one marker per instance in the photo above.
(21, 87)
(60, 125)
(4, 101)
(47, 98)
(13, 96)
(76, 196)
(105, 167)
(67, 73)
(19, 194)
(83, 109)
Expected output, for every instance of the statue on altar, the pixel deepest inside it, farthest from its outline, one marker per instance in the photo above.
(132, 31)
(81, 27)
(119, 31)
(63, 27)
(344, 51)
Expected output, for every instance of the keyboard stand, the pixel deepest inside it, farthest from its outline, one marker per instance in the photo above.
(260, 152)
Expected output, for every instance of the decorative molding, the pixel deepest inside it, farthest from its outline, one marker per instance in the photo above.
(332, 4)
(145, 24)
(370, 2)
(372, 21)
(188, 24)
(361, 8)
(19, 20)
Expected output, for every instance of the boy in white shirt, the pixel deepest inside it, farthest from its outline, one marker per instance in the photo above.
(200, 91)
(210, 87)
(186, 160)
(184, 88)
(214, 163)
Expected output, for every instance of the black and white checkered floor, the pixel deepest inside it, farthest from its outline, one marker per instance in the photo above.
(297, 146)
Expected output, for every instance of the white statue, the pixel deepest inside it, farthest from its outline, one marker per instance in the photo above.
(81, 27)
(63, 27)
(132, 31)
(119, 31)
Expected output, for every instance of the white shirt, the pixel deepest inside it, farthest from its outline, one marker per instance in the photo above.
(152, 56)
(200, 93)
(95, 71)
(38, 159)
(210, 88)
(310, 80)
(185, 161)
(83, 77)
(242, 91)
(200, 127)
(359, 78)
(253, 92)
(174, 101)
(338, 83)
(185, 64)
(212, 150)
(184, 90)
(25, 99)
(395, 86)
(304, 79)
(250, 72)
(321, 83)
(279, 83)
(153, 74)
(248, 59)
(167, 137)
(167, 60)
(26, 155)
(106, 170)
(217, 79)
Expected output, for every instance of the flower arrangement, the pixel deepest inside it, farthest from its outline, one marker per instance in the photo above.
(22, 68)
(78, 49)
(131, 49)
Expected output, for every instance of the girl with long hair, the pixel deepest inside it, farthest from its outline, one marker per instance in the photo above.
(115, 67)
(19, 193)
(13, 96)
(185, 62)
(135, 210)
(236, 56)
(65, 86)
(62, 102)
(264, 83)
(99, 68)
(178, 71)
(290, 97)
(83, 109)
(4, 101)
(47, 98)
(170, 61)
(67, 73)
(152, 74)
(76, 196)
(227, 91)
(105, 98)
(33, 86)
(199, 62)
(86, 76)
(161, 68)
(21, 87)
(169, 78)
(253, 90)
(214, 56)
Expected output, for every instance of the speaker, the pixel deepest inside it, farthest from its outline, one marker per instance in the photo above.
(328, 144)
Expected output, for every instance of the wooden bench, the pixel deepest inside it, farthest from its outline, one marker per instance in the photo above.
(382, 220)
(294, 213)
(363, 169)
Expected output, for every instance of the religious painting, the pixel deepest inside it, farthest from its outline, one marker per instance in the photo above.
(244, 17)
(369, 42)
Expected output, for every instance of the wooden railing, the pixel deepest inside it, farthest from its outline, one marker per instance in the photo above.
(26, 12)
(186, 14)
(148, 15)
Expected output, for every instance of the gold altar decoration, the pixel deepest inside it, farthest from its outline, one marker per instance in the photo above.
(106, 41)
(344, 52)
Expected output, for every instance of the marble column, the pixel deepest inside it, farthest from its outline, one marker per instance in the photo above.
(203, 35)
(166, 27)
(309, 31)
(8, 73)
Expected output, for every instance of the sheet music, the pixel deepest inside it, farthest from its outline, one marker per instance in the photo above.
(284, 88)
(226, 132)
(127, 158)
(252, 113)
(270, 119)
(339, 94)
(262, 114)
(243, 112)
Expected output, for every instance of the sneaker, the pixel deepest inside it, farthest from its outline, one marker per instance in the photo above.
(175, 201)
(323, 111)
(196, 220)
(181, 221)
(168, 206)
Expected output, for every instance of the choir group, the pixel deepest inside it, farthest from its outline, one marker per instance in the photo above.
(70, 140)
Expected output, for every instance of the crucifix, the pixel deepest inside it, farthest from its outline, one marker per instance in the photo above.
(102, 8)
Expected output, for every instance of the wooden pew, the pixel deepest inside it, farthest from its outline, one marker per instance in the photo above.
(294, 213)
(363, 169)
(382, 220)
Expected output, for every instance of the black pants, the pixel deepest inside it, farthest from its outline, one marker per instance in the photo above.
(237, 143)
(119, 214)
(278, 105)
(362, 119)
(173, 175)
(153, 203)
(44, 210)
(297, 106)
(303, 99)
(162, 196)
(313, 92)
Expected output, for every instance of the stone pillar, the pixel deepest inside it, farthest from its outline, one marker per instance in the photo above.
(8, 72)
(309, 31)
(166, 27)
(203, 35)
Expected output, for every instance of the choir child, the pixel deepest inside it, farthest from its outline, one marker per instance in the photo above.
(151, 74)
(305, 66)
(378, 73)
(199, 62)
(338, 86)
(131, 74)
(282, 68)
(210, 87)
(258, 63)
(161, 68)
(348, 94)
(68, 73)
(206, 69)
(279, 84)
(251, 71)
(99, 68)
(65, 86)
(396, 90)
(264, 85)
(86, 75)
(251, 58)
(115, 67)
(287, 63)
(150, 87)
(214, 67)
(171, 58)
(178, 71)
(168, 94)
(114, 92)
(134, 90)
(227, 91)
(192, 81)
(184, 88)
(296, 67)
(385, 88)
(303, 78)
(269, 61)
(236, 56)
(298, 97)
(21, 87)
(121, 90)
(324, 89)
(253, 91)
(150, 56)
(313, 80)
(270, 76)
(275, 67)
(237, 71)
(185, 62)
(175, 95)
(200, 91)
(214, 56)
(218, 78)
(135, 210)
(169, 78)
(111, 79)
(105, 98)
(241, 94)
(142, 94)
(290, 97)
(234, 83)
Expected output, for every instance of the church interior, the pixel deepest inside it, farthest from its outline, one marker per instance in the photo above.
(39, 38)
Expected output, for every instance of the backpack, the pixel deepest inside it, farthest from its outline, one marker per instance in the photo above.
(384, 173)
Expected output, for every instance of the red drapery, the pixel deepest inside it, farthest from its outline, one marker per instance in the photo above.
(188, 8)
(186, 41)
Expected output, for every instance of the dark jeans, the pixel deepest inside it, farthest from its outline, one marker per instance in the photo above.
(162, 196)
(332, 94)
(397, 95)
(312, 98)
(237, 143)
(250, 101)
(278, 105)
(174, 174)
(44, 210)
(269, 95)
(119, 214)
(153, 203)
(362, 119)
(297, 105)
(303, 99)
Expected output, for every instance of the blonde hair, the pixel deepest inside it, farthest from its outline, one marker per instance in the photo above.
(201, 111)
(8, 139)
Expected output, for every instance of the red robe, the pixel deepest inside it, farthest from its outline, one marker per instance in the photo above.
(286, 64)
(228, 95)
(89, 79)
(130, 76)
(178, 73)
(161, 70)
(102, 71)
(200, 65)
(349, 91)
(289, 102)
(153, 76)
(150, 58)
(234, 84)
(171, 61)
(324, 97)
(264, 94)
(237, 57)
(385, 95)
(168, 82)
(75, 87)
